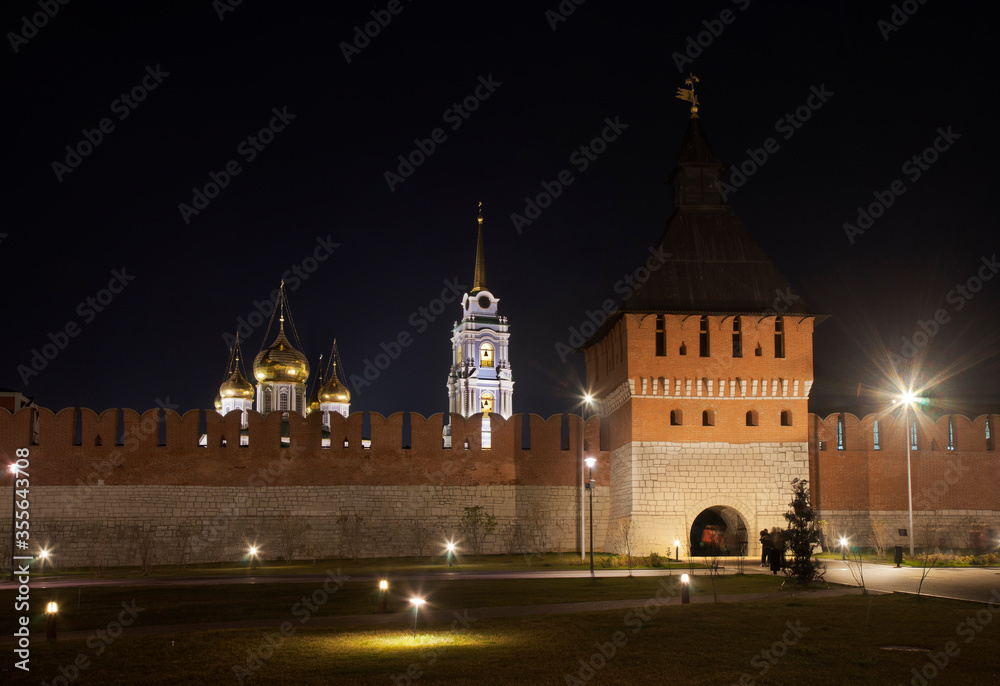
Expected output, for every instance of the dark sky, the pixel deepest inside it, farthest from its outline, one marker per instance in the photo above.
(66, 234)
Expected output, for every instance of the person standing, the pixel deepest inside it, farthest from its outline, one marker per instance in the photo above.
(765, 546)
(777, 550)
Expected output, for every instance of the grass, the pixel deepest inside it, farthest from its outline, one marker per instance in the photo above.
(93, 607)
(840, 642)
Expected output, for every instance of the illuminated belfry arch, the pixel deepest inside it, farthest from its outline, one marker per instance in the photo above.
(280, 369)
(480, 379)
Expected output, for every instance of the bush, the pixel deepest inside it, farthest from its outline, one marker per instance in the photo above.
(655, 560)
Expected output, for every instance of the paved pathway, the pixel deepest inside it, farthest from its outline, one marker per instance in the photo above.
(968, 583)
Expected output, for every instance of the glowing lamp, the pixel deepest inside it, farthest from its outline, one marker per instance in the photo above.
(51, 608)
(383, 585)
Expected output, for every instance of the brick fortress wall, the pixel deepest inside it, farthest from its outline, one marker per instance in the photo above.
(103, 486)
(955, 479)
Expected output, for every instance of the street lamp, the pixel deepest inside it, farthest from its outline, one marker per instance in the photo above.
(13, 513)
(451, 551)
(907, 399)
(44, 555)
(417, 602)
(843, 548)
(590, 487)
(50, 621)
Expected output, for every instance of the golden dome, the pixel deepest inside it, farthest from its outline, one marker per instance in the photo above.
(313, 402)
(218, 403)
(333, 392)
(281, 362)
(236, 387)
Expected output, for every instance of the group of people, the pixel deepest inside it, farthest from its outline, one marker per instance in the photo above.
(773, 545)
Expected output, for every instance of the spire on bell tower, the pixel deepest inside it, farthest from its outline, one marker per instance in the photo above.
(479, 278)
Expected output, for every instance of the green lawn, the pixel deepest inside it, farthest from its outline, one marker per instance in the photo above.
(93, 607)
(837, 641)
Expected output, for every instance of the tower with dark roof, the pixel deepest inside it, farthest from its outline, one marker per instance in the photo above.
(703, 375)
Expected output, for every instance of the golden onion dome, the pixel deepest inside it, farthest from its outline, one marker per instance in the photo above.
(236, 387)
(218, 403)
(333, 392)
(281, 362)
(313, 402)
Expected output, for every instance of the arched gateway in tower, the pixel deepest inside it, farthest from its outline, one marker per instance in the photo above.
(703, 374)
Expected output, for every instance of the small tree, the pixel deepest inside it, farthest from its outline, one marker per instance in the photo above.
(476, 524)
(624, 535)
(879, 537)
(802, 535)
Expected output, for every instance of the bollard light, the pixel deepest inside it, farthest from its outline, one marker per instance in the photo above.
(677, 550)
(253, 551)
(383, 586)
(51, 610)
(450, 545)
(685, 590)
(843, 548)
(417, 602)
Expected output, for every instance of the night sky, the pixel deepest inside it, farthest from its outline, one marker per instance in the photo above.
(114, 213)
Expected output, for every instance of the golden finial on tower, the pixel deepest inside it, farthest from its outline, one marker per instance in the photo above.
(689, 94)
(480, 212)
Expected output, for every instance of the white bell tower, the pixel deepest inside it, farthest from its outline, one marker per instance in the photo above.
(480, 379)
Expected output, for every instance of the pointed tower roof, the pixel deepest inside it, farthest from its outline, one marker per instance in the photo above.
(235, 385)
(709, 262)
(479, 279)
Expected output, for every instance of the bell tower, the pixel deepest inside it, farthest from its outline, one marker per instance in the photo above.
(480, 379)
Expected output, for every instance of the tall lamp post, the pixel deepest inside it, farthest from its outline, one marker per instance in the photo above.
(13, 513)
(908, 399)
(590, 487)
